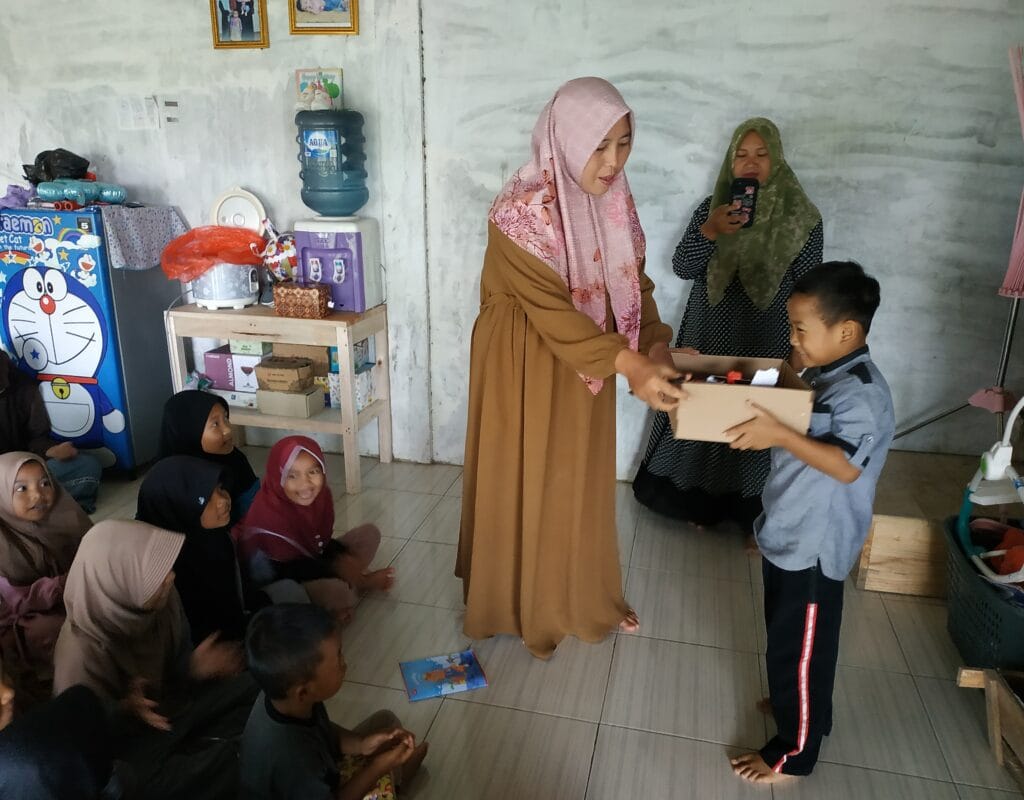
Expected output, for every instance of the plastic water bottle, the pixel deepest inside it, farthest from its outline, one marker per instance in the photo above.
(332, 158)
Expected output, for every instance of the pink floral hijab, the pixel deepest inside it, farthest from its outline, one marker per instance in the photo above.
(595, 244)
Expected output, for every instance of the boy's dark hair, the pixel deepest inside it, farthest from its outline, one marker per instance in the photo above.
(282, 646)
(843, 291)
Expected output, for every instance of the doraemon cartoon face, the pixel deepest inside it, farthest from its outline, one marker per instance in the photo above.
(56, 329)
(54, 325)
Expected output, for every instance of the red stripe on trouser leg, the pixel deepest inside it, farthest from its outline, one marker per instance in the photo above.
(803, 680)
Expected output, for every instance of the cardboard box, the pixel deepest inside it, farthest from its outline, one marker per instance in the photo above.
(247, 347)
(713, 408)
(315, 353)
(230, 371)
(291, 404)
(324, 384)
(240, 399)
(278, 374)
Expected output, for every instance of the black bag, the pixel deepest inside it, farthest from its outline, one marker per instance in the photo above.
(53, 164)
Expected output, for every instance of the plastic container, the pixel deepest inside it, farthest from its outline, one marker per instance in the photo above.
(227, 286)
(333, 161)
(986, 629)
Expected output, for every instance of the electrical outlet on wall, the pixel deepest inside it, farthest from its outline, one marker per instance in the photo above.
(169, 107)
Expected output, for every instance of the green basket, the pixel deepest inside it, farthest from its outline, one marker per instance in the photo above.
(986, 629)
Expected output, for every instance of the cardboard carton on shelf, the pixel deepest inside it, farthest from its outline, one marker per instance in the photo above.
(247, 347)
(277, 374)
(301, 405)
(318, 355)
(229, 371)
(712, 408)
(239, 399)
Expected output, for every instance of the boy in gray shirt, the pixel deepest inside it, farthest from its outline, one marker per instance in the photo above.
(817, 508)
(290, 748)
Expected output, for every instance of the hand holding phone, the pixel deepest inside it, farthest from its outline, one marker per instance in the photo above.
(744, 192)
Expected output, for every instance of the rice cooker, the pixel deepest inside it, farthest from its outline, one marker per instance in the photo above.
(232, 285)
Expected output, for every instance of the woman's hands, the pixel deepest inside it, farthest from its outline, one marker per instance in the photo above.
(650, 378)
(215, 659)
(723, 221)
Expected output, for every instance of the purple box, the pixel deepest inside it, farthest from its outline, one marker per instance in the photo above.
(230, 371)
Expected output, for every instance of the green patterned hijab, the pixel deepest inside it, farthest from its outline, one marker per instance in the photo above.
(783, 220)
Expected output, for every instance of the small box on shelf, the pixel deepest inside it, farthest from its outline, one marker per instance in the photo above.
(246, 347)
(279, 374)
(301, 405)
(230, 371)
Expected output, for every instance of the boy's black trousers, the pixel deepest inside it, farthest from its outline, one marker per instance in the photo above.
(803, 611)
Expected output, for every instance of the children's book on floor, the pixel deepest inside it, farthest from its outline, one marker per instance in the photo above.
(441, 675)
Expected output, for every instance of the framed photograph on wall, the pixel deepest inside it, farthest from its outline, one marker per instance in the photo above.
(239, 23)
(323, 16)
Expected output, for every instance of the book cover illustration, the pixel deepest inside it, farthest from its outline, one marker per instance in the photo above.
(443, 675)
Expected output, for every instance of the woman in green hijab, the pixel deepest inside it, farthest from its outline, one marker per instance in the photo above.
(742, 278)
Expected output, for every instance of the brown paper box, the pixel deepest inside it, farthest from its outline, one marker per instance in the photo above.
(301, 405)
(713, 408)
(285, 374)
(320, 356)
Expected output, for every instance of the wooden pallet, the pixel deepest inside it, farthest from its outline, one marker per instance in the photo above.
(1005, 714)
(905, 552)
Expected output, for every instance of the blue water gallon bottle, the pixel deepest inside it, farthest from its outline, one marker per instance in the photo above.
(333, 161)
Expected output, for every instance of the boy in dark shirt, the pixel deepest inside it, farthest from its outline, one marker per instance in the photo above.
(290, 749)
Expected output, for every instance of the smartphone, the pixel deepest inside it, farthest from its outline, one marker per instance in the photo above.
(744, 191)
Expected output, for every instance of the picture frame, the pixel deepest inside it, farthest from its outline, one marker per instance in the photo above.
(239, 24)
(323, 17)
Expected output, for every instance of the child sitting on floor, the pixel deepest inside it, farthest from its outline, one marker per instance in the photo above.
(199, 424)
(817, 508)
(40, 530)
(290, 748)
(288, 533)
(25, 425)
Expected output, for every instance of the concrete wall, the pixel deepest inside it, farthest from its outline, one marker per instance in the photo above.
(898, 117)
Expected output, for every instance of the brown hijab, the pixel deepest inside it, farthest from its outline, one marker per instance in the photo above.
(108, 638)
(33, 550)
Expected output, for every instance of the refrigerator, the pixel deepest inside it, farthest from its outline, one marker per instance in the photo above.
(92, 336)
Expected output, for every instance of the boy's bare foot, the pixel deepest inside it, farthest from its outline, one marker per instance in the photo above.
(764, 705)
(378, 581)
(751, 767)
(750, 546)
(630, 623)
(407, 771)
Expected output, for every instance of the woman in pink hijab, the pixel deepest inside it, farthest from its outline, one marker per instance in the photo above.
(564, 306)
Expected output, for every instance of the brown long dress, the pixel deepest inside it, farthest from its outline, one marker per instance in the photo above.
(538, 553)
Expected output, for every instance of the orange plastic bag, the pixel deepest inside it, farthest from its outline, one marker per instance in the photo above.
(193, 253)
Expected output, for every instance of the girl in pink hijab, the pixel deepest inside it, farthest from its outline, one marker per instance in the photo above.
(564, 307)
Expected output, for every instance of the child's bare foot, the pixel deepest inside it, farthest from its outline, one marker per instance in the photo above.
(750, 545)
(378, 581)
(751, 767)
(408, 770)
(764, 705)
(630, 623)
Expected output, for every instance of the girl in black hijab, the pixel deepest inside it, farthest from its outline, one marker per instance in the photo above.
(187, 495)
(198, 424)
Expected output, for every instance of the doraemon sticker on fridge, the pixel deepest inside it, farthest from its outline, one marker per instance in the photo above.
(57, 323)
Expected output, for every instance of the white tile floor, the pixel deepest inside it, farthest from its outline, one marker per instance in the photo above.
(652, 715)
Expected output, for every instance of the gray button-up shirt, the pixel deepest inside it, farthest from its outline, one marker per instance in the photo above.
(808, 516)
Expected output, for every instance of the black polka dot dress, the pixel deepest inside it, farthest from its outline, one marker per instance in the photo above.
(677, 473)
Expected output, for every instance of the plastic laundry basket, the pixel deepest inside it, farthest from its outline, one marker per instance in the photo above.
(987, 630)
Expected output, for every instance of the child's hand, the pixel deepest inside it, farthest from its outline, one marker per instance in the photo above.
(138, 705)
(215, 659)
(377, 741)
(393, 758)
(64, 451)
(759, 433)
